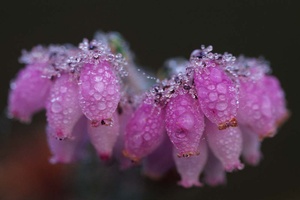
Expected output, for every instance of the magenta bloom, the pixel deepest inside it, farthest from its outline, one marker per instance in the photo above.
(184, 124)
(202, 118)
(29, 92)
(144, 131)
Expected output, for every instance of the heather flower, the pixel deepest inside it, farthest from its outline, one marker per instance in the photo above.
(191, 167)
(155, 168)
(144, 131)
(226, 145)
(68, 150)
(184, 123)
(104, 137)
(214, 172)
(202, 116)
(29, 90)
(216, 86)
(62, 106)
(251, 146)
(262, 102)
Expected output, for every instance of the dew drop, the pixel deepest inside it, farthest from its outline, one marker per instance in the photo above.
(98, 78)
(63, 89)
(99, 86)
(91, 92)
(111, 89)
(147, 137)
(56, 107)
(222, 97)
(221, 106)
(213, 96)
(101, 106)
(180, 134)
(97, 96)
(221, 87)
(211, 87)
(216, 75)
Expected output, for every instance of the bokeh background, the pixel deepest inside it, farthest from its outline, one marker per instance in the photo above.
(156, 30)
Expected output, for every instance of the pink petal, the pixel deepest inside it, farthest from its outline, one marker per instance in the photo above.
(214, 172)
(124, 114)
(99, 92)
(217, 94)
(184, 124)
(160, 161)
(28, 93)
(144, 132)
(104, 137)
(62, 108)
(67, 150)
(277, 97)
(226, 145)
(190, 168)
(251, 146)
(256, 108)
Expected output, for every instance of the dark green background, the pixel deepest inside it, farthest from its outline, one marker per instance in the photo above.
(157, 30)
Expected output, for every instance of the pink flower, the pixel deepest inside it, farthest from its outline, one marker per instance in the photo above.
(202, 118)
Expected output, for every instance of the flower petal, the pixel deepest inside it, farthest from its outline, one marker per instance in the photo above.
(184, 124)
(28, 93)
(104, 137)
(190, 168)
(99, 92)
(226, 145)
(214, 172)
(62, 108)
(217, 94)
(67, 150)
(144, 132)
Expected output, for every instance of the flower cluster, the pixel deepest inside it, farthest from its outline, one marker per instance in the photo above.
(204, 115)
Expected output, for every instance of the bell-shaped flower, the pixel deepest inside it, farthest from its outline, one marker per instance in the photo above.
(104, 137)
(67, 150)
(144, 131)
(226, 145)
(184, 124)
(256, 108)
(251, 146)
(160, 161)
(62, 107)
(214, 172)
(190, 168)
(99, 91)
(28, 93)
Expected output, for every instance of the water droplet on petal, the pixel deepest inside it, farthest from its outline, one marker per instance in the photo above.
(213, 96)
(101, 106)
(99, 86)
(221, 106)
(221, 87)
(56, 107)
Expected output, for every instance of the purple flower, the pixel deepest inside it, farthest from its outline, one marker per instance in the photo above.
(202, 118)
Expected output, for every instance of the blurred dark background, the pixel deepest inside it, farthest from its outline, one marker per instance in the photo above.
(156, 30)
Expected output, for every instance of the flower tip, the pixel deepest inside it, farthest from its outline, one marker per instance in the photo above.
(105, 156)
(190, 183)
(234, 167)
(269, 134)
(16, 115)
(281, 121)
(253, 159)
(214, 182)
(231, 123)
